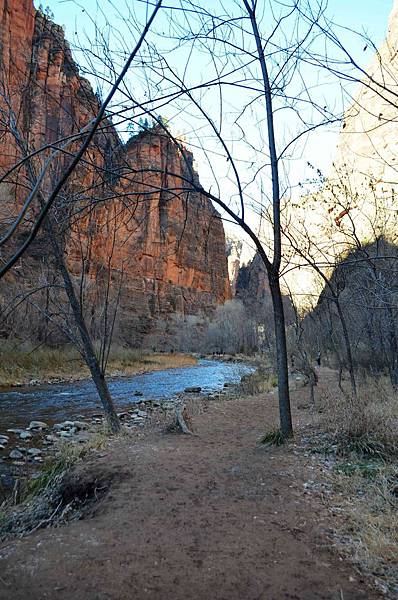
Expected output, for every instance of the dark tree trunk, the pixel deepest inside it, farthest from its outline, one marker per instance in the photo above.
(88, 348)
(281, 357)
(350, 362)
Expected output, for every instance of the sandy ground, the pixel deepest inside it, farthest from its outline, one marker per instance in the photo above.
(215, 516)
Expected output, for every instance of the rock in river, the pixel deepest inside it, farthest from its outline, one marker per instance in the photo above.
(193, 390)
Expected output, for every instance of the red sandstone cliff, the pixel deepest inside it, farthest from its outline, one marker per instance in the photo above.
(169, 243)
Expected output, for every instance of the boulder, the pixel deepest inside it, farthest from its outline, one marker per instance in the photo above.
(25, 435)
(15, 430)
(138, 393)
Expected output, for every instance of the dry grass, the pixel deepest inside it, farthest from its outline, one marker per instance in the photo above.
(60, 491)
(261, 381)
(369, 502)
(365, 426)
(23, 364)
(363, 435)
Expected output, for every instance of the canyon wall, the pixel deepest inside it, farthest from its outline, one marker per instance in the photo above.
(358, 201)
(131, 221)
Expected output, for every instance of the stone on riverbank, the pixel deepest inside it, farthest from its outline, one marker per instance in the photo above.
(140, 413)
(37, 425)
(34, 452)
(25, 435)
(16, 455)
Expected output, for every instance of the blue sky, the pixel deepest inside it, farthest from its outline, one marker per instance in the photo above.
(371, 15)
(368, 16)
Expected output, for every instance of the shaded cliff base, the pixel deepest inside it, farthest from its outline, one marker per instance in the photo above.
(218, 515)
(28, 364)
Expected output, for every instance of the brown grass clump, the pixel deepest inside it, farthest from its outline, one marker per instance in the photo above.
(64, 489)
(20, 364)
(369, 501)
(364, 479)
(261, 381)
(366, 425)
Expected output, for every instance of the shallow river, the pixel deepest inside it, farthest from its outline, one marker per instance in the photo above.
(58, 402)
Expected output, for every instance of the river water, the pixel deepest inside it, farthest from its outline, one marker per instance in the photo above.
(57, 402)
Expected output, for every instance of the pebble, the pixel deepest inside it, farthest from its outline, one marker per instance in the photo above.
(65, 425)
(34, 451)
(141, 413)
(80, 425)
(15, 455)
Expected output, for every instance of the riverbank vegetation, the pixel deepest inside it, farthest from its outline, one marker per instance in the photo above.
(356, 444)
(22, 364)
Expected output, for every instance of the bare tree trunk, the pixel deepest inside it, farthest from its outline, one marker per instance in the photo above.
(281, 357)
(273, 270)
(350, 362)
(88, 348)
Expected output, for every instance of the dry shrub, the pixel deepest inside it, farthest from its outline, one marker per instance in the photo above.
(260, 381)
(365, 476)
(366, 425)
(371, 535)
(65, 488)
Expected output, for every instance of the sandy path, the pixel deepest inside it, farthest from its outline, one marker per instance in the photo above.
(207, 517)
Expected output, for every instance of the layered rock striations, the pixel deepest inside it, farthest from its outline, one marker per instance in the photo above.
(131, 215)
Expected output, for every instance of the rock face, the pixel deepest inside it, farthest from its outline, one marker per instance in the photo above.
(358, 201)
(367, 149)
(164, 245)
(253, 289)
(234, 253)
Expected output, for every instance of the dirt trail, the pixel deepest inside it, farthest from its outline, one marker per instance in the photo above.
(207, 517)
